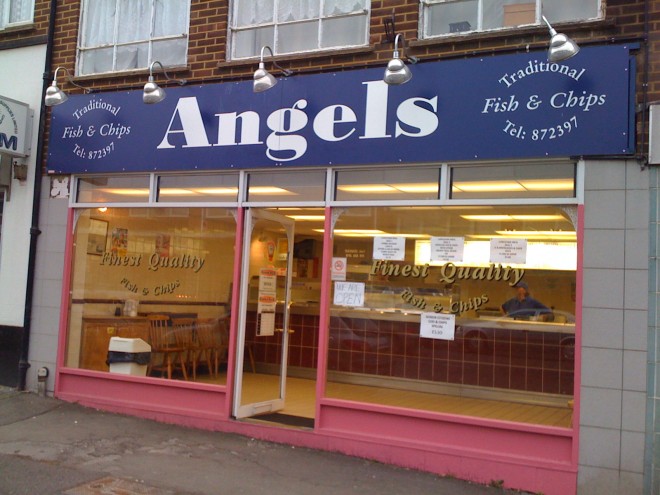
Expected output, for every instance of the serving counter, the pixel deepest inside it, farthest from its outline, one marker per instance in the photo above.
(499, 353)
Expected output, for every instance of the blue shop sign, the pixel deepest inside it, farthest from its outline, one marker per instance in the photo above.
(481, 108)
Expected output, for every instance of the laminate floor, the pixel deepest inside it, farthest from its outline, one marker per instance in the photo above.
(300, 401)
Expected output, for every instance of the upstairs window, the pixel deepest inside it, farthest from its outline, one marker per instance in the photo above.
(447, 17)
(292, 26)
(15, 12)
(121, 35)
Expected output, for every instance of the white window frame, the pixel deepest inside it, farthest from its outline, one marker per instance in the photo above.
(233, 29)
(426, 5)
(81, 48)
(4, 15)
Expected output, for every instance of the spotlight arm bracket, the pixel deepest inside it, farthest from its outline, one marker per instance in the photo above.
(552, 30)
(69, 79)
(285, 72)
(180, 82)
(410, 58)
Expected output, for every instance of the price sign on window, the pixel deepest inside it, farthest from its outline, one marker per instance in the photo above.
(437, 326)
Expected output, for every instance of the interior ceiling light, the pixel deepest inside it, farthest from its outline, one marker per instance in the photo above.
(561, 46)
(367, 188)
(262, 79)
(55, 96)
(309, 218)
(268, 190)
(354, 232)
(538, 236)
(126, 192)
(512, 218)
(201, 191)
(389, 188)
(397, 72)
(519, 185)
(488, 186)
(173, 191)
(216, 191)
(523, 233)
(548, 184)
(153, 93)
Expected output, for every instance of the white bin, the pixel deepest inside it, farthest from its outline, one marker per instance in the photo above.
(128, 356)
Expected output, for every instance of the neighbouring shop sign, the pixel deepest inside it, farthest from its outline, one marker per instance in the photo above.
(15, 127)
(477, 108)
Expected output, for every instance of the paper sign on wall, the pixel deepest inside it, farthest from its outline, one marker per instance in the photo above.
(508, 251)
(437, 326)
(349, 294)
(389, 248)
(447, 248)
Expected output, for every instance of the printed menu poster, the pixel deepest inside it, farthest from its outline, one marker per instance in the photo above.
(267, 301)
(508, 251)
(389, 248)
(447, 248)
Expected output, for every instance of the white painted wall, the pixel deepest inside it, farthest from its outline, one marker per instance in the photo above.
(22, 70)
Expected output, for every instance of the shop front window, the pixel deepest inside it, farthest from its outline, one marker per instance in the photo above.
(446, 17)
(455, 309)
(151, 290)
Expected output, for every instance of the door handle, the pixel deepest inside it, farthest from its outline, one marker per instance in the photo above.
(282, 330)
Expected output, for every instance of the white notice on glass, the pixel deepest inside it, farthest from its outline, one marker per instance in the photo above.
(349, 294)
(447, 248)
(338, 270)
(508, 251)
(437, 326)
(267, 280)
(389, 248)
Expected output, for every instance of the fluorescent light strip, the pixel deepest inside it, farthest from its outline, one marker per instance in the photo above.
(307, 218)
(126, 191)
(268, 190)
(512, 218)
(390, 188)
(530, 233)
(513, 186)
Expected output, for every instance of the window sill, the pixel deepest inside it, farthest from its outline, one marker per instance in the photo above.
(572, 27)
(337, 52)
(19, 28)
(133, 72)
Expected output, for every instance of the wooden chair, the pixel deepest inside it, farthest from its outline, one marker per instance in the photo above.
(164, 343)
(213, 340)
(184, 330)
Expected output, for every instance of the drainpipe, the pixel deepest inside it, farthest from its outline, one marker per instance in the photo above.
(23, 363)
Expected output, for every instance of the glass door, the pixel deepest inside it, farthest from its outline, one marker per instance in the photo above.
(264, 313)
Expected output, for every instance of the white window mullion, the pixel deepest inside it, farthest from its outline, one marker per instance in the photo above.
(115, 35)
(152, 32)
(276, 27)
(4, 14)
(321, 25)
(480, 15)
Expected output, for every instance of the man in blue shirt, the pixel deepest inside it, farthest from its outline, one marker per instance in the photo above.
(523, 305)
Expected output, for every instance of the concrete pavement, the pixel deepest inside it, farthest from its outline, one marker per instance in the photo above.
(52, 447)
